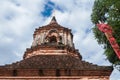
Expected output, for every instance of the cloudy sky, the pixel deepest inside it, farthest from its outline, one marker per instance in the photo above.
(19, 18)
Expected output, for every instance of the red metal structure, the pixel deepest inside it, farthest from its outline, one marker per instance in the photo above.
(107, 30)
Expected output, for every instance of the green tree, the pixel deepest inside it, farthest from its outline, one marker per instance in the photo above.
(107, 11)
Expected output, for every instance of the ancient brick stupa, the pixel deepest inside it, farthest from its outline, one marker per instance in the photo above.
(53, 56)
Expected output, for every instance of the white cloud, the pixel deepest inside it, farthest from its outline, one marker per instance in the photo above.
(18, 19)
(6, 39)
(115, 75)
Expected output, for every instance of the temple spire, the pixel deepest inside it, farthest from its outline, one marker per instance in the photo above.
(53, 20)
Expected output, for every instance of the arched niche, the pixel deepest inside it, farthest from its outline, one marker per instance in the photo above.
(52, 37)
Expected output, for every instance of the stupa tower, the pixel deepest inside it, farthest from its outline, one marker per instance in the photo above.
(52, 56)
(52, 39)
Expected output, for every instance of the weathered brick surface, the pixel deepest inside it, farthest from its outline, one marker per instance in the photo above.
(53, 56)
(57, 78)
(53, 72)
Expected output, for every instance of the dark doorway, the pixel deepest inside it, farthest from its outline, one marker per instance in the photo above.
(53, 39)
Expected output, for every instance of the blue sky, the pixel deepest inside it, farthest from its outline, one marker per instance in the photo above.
(48, 8)
(19, 18)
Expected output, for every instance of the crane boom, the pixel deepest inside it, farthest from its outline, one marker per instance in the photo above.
(107, 30)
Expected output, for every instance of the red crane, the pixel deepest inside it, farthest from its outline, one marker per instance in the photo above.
(107, 30)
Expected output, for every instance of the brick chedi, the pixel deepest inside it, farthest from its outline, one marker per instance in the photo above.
(53, 56)
(52, 39)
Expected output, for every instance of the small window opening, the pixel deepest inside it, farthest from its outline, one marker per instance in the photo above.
(41, 72)
(57, 72)
(14, 72)
(53, 39)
